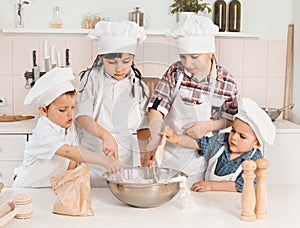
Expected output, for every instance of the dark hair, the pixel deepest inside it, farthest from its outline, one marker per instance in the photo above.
(97, 64)
(71, 93)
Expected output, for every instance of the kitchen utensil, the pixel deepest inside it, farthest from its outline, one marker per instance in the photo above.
(274, 113)
(154, 175)
(20, 207)
(46, 56)
(288, 70)
(67, 57)
(53, 57)
(136, 187)
(36, 69)
(12, 118)
(59, 64)
(159, 154)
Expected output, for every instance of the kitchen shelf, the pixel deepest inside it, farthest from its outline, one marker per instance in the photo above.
(86, 31)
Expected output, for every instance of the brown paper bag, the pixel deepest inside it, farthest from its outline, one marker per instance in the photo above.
(73, 191)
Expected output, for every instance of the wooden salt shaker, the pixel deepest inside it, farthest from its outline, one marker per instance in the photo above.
(261, 188)
(248, 193)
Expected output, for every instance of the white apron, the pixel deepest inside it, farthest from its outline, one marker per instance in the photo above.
(212, 163)
(185, 159)
(122, 123)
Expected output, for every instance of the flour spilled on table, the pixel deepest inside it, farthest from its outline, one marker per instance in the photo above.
(186, 198)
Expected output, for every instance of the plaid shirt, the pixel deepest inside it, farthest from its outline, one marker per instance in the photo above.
(192, 91)
(211, 145)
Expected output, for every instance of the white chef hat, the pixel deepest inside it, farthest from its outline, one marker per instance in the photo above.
(258, 120)
(117, 37)
(50, 86)
(195, 34)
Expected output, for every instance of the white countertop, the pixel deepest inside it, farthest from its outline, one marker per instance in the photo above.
(285, 126)
(26, 126)
(18, 127)
(213, 209)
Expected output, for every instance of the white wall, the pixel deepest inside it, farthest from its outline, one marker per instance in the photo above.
(267, 18)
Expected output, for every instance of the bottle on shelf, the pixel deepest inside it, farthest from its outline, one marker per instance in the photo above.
(234, 22)
(56, 21)
(220, 15)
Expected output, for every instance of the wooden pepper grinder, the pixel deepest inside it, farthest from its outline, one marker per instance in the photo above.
(261, 188)
(248, 193)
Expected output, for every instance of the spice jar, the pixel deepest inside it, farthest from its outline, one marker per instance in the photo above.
(87, 21)
(96, 19)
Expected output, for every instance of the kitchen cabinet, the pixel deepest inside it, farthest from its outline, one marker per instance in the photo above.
(13, 136)
(284, 156)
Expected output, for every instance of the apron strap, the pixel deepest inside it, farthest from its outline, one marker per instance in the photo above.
(180, 78)
(239, 170)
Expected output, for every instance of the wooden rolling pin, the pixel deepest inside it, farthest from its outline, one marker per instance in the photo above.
(12, 118)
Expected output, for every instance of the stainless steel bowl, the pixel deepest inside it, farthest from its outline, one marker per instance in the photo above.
(274, 113)
(135, 186)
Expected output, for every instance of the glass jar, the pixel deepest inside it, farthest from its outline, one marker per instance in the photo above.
(56, 21)
(234, 23)
(220, 15)
(96, 19)
(87, 21)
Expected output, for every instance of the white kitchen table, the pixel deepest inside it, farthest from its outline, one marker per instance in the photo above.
(213, 209)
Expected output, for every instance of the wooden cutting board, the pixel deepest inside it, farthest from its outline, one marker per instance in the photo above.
(12, 118)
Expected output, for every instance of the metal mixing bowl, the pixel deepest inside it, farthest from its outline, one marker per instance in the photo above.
(274, 113)
(135, 187)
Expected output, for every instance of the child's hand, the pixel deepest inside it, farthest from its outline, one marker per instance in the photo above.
(148, 159)
(112, 165)
(110, 146)
(171, 137)
(201, 186)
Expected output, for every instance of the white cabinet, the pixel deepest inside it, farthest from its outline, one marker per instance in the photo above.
(11, 155)
(13, 136)
(284, 155)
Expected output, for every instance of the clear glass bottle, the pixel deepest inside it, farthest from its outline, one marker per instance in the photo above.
(234, 22)
(56, 21)
(220, 15)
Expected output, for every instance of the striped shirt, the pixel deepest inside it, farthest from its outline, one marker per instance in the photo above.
(193, 91)
(211, 145)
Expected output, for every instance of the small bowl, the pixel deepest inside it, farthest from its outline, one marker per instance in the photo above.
(135, 186)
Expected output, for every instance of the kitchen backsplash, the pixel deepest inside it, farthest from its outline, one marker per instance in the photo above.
(257, 65)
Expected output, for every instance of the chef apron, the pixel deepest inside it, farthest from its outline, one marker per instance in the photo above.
(180, 115)
(124, 135)
(37, 174)
(212, 163)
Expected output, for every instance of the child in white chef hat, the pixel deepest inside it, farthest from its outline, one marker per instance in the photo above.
(111, 95)
(225, 152)
(52, 147)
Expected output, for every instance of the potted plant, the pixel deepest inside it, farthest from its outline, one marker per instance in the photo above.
(179, 7)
